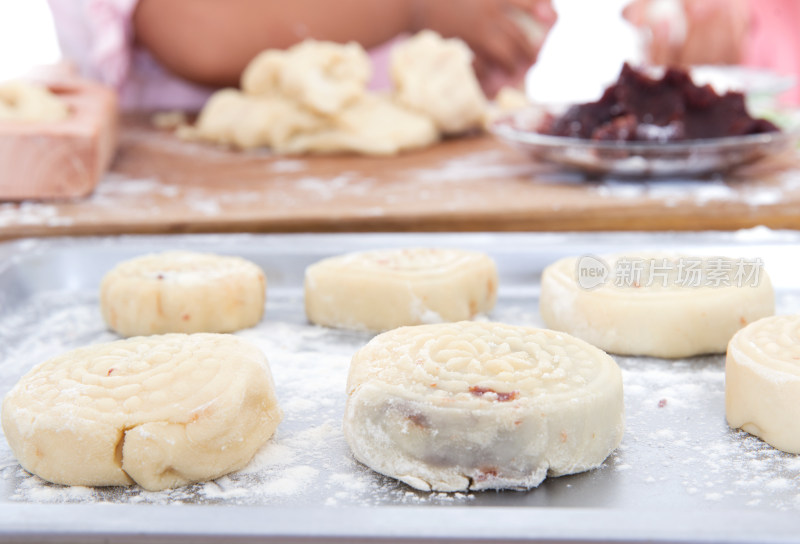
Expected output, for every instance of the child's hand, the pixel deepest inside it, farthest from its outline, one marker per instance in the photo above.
(489, 29)
(687, 32)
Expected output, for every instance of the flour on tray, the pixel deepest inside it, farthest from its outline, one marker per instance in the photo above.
(677, 448)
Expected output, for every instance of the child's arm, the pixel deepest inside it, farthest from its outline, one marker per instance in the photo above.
(211, 41)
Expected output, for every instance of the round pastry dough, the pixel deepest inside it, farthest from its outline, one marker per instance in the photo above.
(182, 291)
(661, 318)
(476, 405)
(762, 381)
(383, 289)
(160, 411)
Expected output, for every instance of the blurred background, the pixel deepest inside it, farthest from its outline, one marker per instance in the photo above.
(27, 37)
(580, 55)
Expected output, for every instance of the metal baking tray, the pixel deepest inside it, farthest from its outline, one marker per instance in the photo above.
(680, 475)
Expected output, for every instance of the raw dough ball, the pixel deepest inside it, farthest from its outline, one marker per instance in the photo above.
(472, 405)
(762, 381)
(322, 76)
(663, 319)
(23, 101)
(232, 118)
(384, 289)
(373, 126)
(434, 76)
(182, 291)
(159, 411)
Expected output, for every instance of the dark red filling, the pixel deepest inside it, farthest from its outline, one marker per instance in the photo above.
(479, 391)
(672, 108)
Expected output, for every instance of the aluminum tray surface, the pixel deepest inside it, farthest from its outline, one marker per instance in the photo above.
(679, 475)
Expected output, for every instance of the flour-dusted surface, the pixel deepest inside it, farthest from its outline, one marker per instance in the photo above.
(307, 462)
(677, 453)
(160, 184)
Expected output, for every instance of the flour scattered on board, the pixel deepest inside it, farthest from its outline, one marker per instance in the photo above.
(116, 186)
(482, 165)
(677, 447)
(699, 192)
(292, 191)
(205, 206)
(285, 166)
(32, 213)
(672, 192)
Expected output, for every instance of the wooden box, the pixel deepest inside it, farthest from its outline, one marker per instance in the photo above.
(61, 159)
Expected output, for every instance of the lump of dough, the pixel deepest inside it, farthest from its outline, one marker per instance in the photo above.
(232, 118)
(374, 125)
(435, 76)
(322, 76)
(159, 411)
(313, 98)
(762, 381)
(23, 101)
(182, 291)
(662, 318)
(383, 289)
(262, 75)
(476, 405)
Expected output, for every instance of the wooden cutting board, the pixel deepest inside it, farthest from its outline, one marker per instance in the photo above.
(159, 184)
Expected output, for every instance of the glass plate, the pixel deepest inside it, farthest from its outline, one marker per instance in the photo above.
(639, 159)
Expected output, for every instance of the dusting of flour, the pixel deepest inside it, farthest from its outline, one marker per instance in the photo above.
(677, 449)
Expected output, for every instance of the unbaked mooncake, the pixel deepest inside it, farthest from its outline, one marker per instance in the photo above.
(762, 381)
(655, 304)
(159, 411)
(182, 291)
(479, 405)
(383, 289)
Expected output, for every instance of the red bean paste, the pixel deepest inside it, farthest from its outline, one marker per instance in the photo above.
(639, 108)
